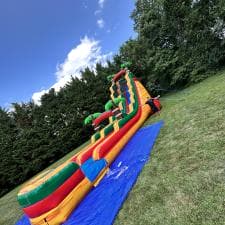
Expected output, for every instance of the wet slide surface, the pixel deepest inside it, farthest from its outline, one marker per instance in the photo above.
(102, 204)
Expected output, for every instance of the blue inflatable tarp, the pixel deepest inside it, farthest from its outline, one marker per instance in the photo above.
(102, 204)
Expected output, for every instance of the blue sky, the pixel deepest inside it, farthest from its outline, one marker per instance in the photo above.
(43, 42)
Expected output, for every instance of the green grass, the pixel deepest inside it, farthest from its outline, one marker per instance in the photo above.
(184, 182)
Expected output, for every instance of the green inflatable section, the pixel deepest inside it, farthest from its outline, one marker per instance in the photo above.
(110, 77)
(115, 102)
(108, 129)
(135, 104)
(114, 87)
(49, 186)
(96, 136)
(125, 65)
(91, 117)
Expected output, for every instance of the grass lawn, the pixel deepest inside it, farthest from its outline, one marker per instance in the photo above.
(184, 182)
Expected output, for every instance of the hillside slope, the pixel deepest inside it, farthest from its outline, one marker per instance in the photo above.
(184, 181)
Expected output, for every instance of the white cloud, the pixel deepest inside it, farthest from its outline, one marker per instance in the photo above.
(101, 3)
(100, 23)
(8, 107)
(97, 12)
(86, 54)
(37, 96)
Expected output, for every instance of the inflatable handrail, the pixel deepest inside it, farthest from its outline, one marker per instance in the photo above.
(91, 117)
(118, 75)
(102, 117)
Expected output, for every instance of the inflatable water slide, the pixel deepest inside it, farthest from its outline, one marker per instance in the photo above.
(49, 198)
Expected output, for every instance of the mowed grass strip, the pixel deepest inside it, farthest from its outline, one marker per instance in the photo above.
(184, 182)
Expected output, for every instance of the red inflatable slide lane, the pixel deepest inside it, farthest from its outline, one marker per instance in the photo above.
(118, 75)
(102, 117)
(56, 197)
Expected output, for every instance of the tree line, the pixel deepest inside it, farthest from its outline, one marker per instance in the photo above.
(178, 43)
